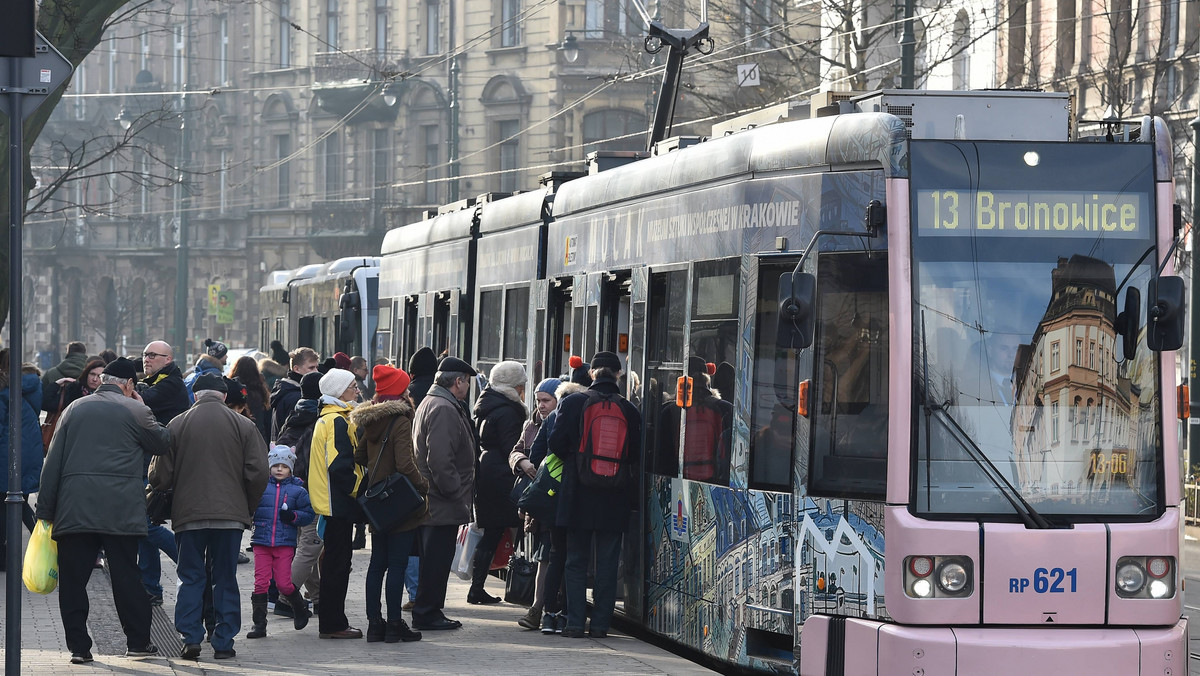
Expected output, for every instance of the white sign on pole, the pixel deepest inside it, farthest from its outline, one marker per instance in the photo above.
(747, 75)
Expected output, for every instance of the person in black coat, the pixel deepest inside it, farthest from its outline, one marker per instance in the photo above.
(421, 368)
(594, 514)
(499, 420)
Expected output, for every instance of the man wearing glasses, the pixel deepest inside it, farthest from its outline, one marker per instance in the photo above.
(164, 392)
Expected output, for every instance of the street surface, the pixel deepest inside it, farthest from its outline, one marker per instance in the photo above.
(490, 641)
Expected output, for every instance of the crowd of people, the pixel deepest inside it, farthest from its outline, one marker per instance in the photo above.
(285, 446)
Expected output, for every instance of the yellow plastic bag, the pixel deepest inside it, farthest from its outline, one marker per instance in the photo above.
(40, 571)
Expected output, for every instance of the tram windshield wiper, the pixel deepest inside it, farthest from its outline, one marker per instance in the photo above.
(1029, 516)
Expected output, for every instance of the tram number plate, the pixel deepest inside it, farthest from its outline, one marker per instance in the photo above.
(1052, 581)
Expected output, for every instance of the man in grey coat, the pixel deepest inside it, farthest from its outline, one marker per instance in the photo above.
(217, 465)
(93, 493)
(445, 445)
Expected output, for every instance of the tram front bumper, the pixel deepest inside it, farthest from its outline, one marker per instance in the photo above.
(1058, 651)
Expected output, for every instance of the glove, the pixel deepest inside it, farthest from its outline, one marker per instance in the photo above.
(287, 516)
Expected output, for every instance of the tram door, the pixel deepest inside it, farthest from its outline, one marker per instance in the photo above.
(408, 329)
(445, 322)
(612, 326)
(558, 328)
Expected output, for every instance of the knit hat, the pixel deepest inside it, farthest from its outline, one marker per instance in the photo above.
(310, 385)
(235, 392)
(422, 363)
(549, 386)
(390, 380)
(509, 373)
(455, 365)
(210, 381)
(327, 365)
(282, 455)
(697, 366)
(341, 360)
(724, 378)
(121, 368)
(214, 348)
(278, 354)
(334, 383)
(579, 371)
(606, 360)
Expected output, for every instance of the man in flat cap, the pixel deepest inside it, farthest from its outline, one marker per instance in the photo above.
(93, 493)
(217, 465)
(445, 444)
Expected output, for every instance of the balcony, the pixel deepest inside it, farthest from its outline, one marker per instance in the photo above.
(363, 83)
(349, 227)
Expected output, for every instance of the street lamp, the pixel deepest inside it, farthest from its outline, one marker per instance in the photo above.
(570, 48)
(125, 118)
(390, 94)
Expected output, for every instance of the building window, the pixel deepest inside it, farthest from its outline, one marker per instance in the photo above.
(112, 65)
(508, 153)
(331, 155)
(1054, 422)
(381, 147)
(510, 26)
(381, 27)
(960, 64)
(284, 28)
(79, 86)
(433, 24)
(1078, 352)
(432, 141)
(757, 20)
(283, 188)
(1092, 355)
(1065, 45)
(1054, 365)
(177, 63)
(223, 49)
(223, 181)
(602, 18)
(614, 130)
(143, 50)
(331, 24)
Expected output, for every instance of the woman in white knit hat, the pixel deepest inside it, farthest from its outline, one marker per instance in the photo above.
(500, 418)
(334, 482)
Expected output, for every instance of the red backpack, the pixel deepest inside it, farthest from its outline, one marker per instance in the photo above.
(603, 460)
(703, 443)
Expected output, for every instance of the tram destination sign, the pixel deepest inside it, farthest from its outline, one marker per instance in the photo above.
(1032, 214)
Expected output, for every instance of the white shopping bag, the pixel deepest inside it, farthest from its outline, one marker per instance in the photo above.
(469, 536)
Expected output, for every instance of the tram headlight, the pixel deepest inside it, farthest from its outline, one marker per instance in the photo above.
(952, 577)
(937, 576)
(1145, 577)
(1131, 577)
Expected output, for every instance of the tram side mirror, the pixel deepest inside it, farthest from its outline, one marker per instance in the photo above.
(797, 292)
(1165, 314)
(1127, 325)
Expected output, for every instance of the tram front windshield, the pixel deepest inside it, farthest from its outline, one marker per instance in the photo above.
(1024, 256)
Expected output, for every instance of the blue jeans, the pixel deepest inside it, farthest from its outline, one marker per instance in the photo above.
(389, 554)
(604, 584)
(221, 545)
(158, 538)
(410, 576)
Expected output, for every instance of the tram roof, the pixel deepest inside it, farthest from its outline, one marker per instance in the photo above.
(445, 227)
(513, 212)
(838, 141)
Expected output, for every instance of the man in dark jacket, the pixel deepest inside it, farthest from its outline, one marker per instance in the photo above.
(164, 392)
(421, 367)
(217, 465)
(93, 493)
(592, 514)
(286, 393)
(71, 367)
(445, 445)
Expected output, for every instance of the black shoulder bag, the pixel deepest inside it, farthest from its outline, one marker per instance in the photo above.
(392, 501)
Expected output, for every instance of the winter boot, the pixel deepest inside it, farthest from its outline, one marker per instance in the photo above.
(258, 614)
(376, 631)
(299, 608)
(397, 630)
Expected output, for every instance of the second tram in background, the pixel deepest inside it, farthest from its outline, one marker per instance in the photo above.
(330, 307)
(934, 316)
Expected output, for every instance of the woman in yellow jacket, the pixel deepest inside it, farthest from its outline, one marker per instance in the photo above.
(334, 482)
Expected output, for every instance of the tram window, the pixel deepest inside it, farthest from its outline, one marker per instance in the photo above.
(409, 329)
(263, 340)
(773, 400)
(490, 324)
(664, 339)
(516, 323)
(850, 389)
(712, 348)
(307, 332)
